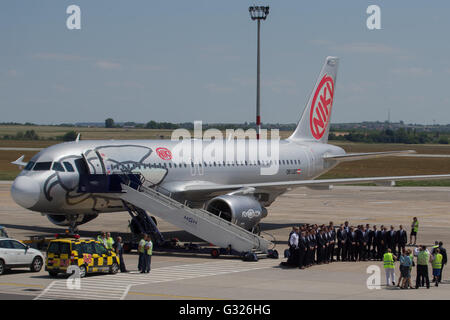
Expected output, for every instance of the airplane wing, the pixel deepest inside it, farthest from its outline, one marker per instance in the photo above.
(366, 155)
(308, 183)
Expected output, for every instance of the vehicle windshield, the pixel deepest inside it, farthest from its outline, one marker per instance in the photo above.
(59, 248)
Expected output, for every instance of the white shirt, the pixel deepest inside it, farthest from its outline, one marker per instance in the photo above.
(293, 241)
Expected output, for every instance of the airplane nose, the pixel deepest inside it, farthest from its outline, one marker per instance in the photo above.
(25, 191)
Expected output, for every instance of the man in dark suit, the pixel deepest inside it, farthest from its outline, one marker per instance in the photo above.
(391, 240)
(358, 233)
(332, 234)
(384, 245)
(302, 251)
(341, 238)
(363, 240)
(401, 239)
(376, 243)
(351, 240)
(321, 243)
(370, 242)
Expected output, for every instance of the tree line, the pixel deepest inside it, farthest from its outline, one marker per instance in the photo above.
(401, 135)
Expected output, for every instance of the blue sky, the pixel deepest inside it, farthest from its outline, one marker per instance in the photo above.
(192, 60)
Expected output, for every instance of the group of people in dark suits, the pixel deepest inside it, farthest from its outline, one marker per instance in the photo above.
(313, 244)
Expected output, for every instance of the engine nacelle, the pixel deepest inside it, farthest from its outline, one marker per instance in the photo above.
(244, 211)
(64, 220)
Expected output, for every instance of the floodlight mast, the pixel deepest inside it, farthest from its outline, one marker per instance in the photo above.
(258, 13)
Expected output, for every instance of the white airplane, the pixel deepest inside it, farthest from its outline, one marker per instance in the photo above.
(71, 183)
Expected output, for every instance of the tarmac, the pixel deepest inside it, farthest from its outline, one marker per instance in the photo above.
(189, 276)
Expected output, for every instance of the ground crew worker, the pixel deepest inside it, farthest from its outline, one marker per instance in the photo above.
(442, 251)
(423, 259)
(102, 238)
(109, 241)
(118, 246)
(148, 254)
(388, 259)
(414, 230)
(141, 250)
(436, 265)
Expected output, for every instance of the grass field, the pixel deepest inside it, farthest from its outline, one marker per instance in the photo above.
(365, 168)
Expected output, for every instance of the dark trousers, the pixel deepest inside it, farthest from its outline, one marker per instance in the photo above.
(362, 252)
(401, 247)
(340, 252)
(122, 264)
(292, 260)
(440, 276)
(147, 262)
(141, 261)
(422, 274)
(301, 257)
(331, 252)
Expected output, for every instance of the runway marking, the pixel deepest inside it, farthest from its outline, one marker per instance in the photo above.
(116, 287)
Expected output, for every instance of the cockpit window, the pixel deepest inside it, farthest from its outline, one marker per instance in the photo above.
(42, 166)
(69, 166)
(29, 165)
(57, 166)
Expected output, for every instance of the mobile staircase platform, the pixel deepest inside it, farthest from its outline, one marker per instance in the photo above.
(199, 222)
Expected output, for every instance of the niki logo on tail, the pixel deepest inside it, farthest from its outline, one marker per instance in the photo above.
(321, 107)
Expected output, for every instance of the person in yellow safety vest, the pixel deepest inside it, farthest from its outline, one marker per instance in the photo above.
(414, 230)
(148, 254)
(423, 258)
(141, 251)
(388, 260)
(102, 237)
(436, 264)
(109, 243)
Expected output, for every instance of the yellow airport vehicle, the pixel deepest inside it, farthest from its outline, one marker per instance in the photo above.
(89, 255)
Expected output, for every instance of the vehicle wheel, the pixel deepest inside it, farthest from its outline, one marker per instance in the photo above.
(53, 274)
(2, 267)
(215, 253)
(36, 265)
(114, 268)
(83, 271)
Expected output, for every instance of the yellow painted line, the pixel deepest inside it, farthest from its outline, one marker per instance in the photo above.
(20, 284)
(169, 296)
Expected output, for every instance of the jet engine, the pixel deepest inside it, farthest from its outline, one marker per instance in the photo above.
(70, 220)
(244, 211)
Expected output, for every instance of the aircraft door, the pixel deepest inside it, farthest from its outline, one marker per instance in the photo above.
(95, 163)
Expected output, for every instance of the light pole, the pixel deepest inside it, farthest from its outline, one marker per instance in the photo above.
(258, 13)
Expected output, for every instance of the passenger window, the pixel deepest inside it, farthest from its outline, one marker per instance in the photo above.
(17, 245)
(90, 248)
(5, 245)
(100, 249)
(57, 166)
(69, 166)
(42, 166)
(29, 165)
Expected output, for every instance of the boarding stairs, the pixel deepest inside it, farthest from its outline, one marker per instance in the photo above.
(199, 222)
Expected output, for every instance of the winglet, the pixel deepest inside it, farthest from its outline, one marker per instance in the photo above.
(19, 162)
(78, 137)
